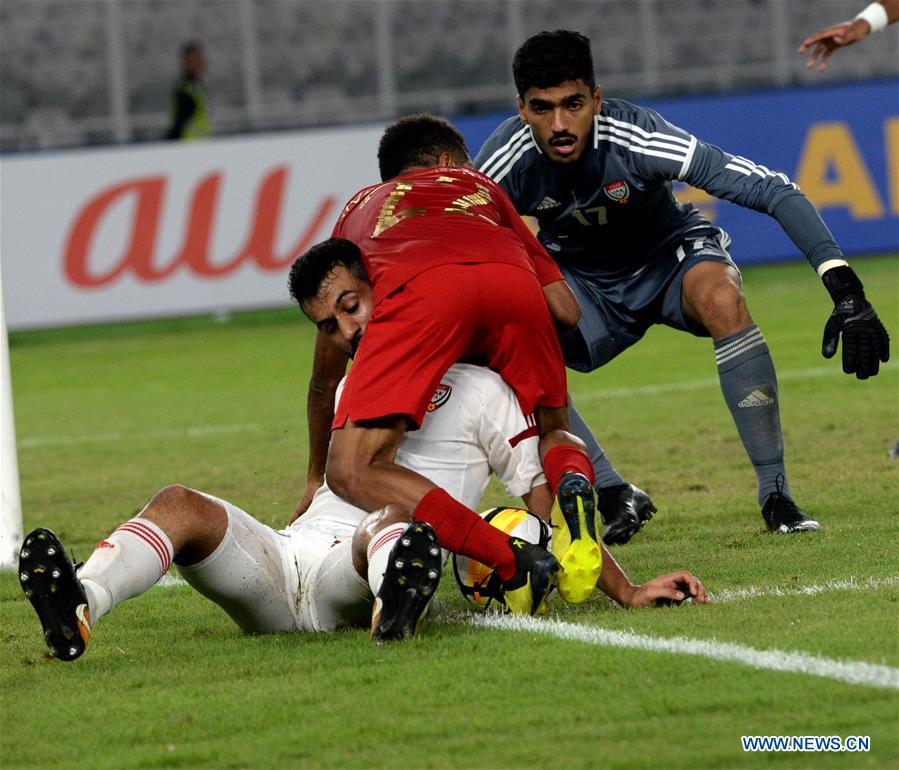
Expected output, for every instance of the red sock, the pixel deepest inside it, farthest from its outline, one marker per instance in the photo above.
(563, 458)
(461, 530)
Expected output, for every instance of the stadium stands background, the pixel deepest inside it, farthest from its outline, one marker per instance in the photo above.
(88, 72)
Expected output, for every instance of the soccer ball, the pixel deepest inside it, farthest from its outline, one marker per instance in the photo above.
(479, 583)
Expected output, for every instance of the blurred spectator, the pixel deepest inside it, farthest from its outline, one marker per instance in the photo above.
(872, 19)
(190, 119)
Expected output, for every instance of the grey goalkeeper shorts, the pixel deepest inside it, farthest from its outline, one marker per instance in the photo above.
(615, 315)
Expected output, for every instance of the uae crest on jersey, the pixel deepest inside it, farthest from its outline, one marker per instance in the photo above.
(617, 191)
(440, 397)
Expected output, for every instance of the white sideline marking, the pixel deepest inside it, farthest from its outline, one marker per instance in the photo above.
(587, 395)
(851, 672)
(710, 382)
(850, 584)
(102, 438)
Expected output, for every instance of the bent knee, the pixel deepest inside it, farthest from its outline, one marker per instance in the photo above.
(182, 502)
(722, 308)
(376, 521)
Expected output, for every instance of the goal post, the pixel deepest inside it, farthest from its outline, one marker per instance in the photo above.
(11, 503)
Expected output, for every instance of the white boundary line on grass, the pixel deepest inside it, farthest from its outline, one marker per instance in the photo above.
(710, 382)
(850, 584)
(37, 442)
(850, 672)
(103, 438)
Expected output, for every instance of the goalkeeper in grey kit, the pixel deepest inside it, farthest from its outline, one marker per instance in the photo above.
(597, 176)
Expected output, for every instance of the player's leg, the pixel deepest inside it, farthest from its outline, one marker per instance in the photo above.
(712, 299)
(623, 507)
(125, 564)
(521, 344)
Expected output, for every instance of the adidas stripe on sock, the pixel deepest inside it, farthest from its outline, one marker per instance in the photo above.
(124, 565)
(749, 385)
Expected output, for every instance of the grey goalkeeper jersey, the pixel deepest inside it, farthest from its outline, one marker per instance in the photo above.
(612, 212)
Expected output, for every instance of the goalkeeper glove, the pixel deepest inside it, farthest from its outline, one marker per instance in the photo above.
(865, 340)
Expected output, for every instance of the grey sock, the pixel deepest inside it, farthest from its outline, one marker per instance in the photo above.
(606, 475)
(749, 385)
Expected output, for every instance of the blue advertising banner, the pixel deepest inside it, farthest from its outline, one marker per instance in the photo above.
(840, 144)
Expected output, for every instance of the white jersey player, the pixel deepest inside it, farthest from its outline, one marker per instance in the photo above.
(321, 572)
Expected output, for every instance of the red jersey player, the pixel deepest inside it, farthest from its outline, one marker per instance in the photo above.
(456, 276)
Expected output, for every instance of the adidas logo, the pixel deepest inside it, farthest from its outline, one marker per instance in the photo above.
(756, 398)
(547, 203)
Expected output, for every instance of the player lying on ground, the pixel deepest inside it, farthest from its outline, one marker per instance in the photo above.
(872, 19)
(456, 275)
(597, 176)
(324, 570)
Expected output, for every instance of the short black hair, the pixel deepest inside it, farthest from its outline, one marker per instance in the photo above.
(310, 270)
(549, 59)
(191, 46)
(418, 140)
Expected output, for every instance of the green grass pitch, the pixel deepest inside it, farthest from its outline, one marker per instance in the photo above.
(105, 416)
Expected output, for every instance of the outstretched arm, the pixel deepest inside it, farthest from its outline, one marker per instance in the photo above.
(672, 588)
(733, 178)
(823, 43)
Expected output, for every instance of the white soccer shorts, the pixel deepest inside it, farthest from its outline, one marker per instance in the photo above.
(298, 579)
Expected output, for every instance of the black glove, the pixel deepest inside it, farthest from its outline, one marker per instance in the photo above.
(865, 340)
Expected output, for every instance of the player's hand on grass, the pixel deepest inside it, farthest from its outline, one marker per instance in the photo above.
(312, 486)
(825, 42)
(673, 588)
(866, 342)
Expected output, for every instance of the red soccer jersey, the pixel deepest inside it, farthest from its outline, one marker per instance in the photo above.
(438, 216)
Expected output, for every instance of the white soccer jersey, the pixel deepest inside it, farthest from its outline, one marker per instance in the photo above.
(473, 425)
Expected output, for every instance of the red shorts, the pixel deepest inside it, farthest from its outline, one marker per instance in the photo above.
(486, 313)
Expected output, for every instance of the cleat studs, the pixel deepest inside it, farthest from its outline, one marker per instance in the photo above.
(25, 553)
(51, 551)
(53, 588)
(55, 573)
(435, 551)
(406, 542)
(73, 651)
(427, 591)
(41, 536)
(401, 580)
(29, 593)
(432, 574)
(399, 564)
(23, 576)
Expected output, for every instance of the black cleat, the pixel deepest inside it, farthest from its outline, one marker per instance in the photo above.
(536, 573)
(624, 509)
(410, 580)
(782, 515)
(49, 581)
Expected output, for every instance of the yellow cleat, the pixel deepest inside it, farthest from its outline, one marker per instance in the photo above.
(574, 541)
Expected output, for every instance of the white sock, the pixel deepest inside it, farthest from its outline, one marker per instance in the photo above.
(125, 564)
(379, 552)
